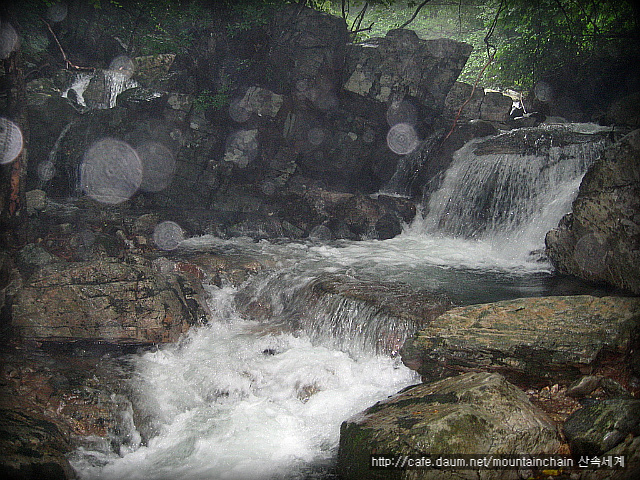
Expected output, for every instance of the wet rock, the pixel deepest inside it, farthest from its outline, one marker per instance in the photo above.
(306, 54)
(32, 447)
(625, 111)
(32, 256)
(381, 314)
(475, 413)
(242, 147)
(495, 107)
(36, 201)
(371, 217)
(459, 94)
(150, 69)
(228, 269)
(600, 240)
(106, 301)
(401, 64)
(104, 87)
(630, 450)
(601, 426)
(256, 101)
(531, 341)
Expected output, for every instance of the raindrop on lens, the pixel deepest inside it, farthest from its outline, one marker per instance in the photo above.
(402, 112)
(123, 65)
(46, 171)
(10, 141)
(168, 235)
(238, 112)
(402, 139)
(111, 171)
(543, 91)
(316, 136)
(8, 40)
(158, 165)
(57, 12)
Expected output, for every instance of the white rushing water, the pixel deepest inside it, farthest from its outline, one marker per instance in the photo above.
(232, 402)
(247, 399)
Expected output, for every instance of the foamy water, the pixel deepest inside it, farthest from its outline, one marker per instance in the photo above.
(231, 402)
(238, 399)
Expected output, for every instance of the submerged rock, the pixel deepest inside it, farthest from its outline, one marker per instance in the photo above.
(474, 413)
(600, 240)
(530, 341)
(106, 301)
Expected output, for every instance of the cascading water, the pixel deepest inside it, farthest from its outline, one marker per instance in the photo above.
(109, 84)
(510, 190)
(260, 392)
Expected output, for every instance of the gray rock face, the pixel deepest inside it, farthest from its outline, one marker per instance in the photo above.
(401, 64)
(107, 302)
(495, 107)
(600, 240)
(306, 52)
(596, 429)
(456, 98)
(474, 413)
(534, 340)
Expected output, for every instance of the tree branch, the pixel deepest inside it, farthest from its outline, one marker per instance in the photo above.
(67, 62)
(415, 14)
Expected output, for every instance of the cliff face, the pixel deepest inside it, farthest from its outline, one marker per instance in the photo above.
(600, 240)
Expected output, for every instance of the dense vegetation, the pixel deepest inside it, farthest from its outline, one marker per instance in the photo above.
(528, 39)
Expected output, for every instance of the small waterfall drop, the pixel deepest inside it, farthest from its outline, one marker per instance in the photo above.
(512, 188)
(100, 89)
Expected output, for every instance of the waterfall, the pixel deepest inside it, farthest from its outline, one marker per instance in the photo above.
(308, 341)
(409, 165)
(341, 311)
(100, 89)
(514, 187)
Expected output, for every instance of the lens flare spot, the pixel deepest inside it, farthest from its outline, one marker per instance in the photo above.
(8, 39)
(111, 171)
(402, 139)
(543, 91)
(238, 111)
(123, 65)
(158, 166)
(316, 136)
(46, 171)
(402, 111)
(10, 141)
(57, 12)
(168, 235)
(590, 255)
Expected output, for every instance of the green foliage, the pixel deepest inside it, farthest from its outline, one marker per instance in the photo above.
(207, 100)
(536, 38)
(532, 38)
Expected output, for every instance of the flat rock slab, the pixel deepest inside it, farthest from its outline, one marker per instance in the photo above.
(106, 301)
(531, 341)
(473, 413)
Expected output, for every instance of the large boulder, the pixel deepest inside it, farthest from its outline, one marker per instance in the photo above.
(403, 65)
(531, 341)
(601, 426)
(474, 413)
(106, 301)
(600, 240)
(306, 54)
